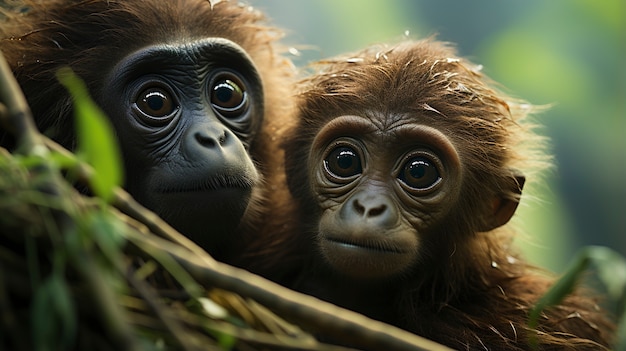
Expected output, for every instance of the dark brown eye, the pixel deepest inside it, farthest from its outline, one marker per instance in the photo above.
(228, 96)
(419, 173)
(343, 162)
(156, 102)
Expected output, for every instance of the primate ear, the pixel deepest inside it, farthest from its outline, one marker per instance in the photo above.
(504, 205)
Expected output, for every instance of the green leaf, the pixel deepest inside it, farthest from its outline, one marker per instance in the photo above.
(96, 142)
(107, 232)
(53, 315)
(63, 161)
(560, 289)
(611, 269)
(226, 341)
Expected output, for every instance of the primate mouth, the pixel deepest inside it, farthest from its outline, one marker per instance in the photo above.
(370, 245)
(219, 182)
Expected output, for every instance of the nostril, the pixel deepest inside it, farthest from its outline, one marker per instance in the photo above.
(367, 211)
(377, 211)
(205, 140)
(210, 141)
(360, 209)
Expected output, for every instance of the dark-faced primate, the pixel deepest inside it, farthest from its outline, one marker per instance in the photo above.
(198, 93)
(407, 165)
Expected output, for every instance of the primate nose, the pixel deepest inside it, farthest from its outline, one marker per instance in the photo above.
(370, 208)
(211, 138)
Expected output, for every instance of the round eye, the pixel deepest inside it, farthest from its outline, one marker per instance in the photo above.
(156, 102)
(228, 95)
(419, 173)
(343, 162)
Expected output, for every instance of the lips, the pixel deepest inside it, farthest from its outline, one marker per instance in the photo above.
(378, 246)
(218, 182)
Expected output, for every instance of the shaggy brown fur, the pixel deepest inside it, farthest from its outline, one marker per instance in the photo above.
(91, 36)
(467, 289)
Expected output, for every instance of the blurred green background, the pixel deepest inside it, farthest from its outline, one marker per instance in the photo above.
(568, 53)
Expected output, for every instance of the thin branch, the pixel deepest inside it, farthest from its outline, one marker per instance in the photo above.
(16, 115)
(160, 310)
(306, 311)
(17, 119)
(311, 313)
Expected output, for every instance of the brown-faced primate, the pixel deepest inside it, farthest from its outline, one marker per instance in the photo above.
(407, 164)
(197, 92)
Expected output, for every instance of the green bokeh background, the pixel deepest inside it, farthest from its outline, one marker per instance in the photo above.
(570, 54)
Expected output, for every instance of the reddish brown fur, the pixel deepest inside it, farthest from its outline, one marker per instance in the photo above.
(470, 290)
(91, 36)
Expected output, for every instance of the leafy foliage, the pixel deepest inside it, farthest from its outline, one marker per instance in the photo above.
(95, 138)
(611, 269)
(102, 272)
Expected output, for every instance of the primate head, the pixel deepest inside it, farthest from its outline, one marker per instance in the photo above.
(189, 86)
(406, 164)
(401, 155)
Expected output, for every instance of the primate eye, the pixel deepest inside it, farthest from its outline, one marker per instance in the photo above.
(419, 173)
(156, 102)
(228, 95)
(343, 162)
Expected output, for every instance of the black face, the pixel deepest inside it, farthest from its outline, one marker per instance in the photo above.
(185, 115)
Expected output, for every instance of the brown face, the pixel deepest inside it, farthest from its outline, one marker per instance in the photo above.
(381, 182)
(400, 158)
